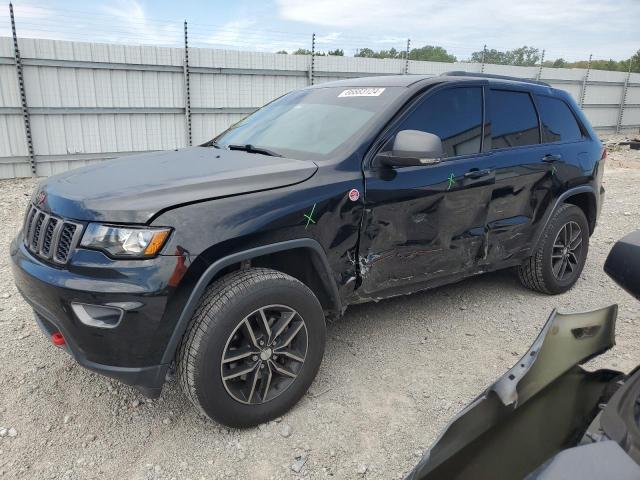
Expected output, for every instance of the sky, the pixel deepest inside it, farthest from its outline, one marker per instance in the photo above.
(571, 29)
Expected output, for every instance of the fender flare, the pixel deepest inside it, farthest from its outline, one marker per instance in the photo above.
(204, 280)
(559, 201)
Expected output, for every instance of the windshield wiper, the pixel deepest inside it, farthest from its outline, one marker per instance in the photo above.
(211, 143)
(252, 149)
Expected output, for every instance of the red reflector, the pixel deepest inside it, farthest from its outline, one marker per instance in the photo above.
(57, 339)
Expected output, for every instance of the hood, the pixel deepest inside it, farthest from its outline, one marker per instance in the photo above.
(134, 188)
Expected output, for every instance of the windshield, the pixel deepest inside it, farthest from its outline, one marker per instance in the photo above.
(312, 123)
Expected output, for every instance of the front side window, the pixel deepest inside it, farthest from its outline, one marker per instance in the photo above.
(558, 122)
(455, 115)
(311, 124)
(514, 122)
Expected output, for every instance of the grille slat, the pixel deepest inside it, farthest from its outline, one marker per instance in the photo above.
(33, 218)
(27, 224)
(64, 244)
(49, 237)
(36, 230)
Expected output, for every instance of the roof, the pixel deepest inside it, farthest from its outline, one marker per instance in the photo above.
(408, 80)
(378, 81)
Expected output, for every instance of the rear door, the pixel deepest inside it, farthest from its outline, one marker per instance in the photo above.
(523, 174)
(426, 223)
(563, 139)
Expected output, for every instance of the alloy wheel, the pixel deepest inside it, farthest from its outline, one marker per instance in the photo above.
(567, 251)
(264, 354)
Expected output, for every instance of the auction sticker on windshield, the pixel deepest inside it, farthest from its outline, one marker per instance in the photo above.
(362, 92)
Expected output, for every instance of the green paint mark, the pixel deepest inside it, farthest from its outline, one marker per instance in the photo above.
(554, 170)
(452, 181)
(309, 217)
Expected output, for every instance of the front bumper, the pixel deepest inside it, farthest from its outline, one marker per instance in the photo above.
(132, 351)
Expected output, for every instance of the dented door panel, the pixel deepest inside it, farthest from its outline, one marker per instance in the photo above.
(422, 223)
(523, 187)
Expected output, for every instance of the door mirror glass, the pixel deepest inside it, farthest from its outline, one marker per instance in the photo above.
(412, 148)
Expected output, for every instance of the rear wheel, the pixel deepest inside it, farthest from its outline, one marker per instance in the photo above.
(253, 348)
(562, 251)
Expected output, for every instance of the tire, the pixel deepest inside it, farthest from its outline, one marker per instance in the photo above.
(228, 324)
(541, 272)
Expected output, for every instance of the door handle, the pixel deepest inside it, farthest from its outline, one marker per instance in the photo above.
(478, 173)
(550, 158)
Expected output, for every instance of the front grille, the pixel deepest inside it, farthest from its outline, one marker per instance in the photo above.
(49, 237)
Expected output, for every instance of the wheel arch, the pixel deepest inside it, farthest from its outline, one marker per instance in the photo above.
(586, 201)
(322, 284)
(583, 197)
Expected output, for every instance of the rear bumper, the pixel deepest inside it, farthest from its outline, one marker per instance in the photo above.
(132, 351)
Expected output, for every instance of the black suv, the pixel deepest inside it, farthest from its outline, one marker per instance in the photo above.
(226, 258)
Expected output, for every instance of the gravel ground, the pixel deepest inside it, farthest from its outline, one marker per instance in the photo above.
(394, 373)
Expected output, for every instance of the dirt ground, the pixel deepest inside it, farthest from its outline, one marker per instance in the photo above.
(394, 373)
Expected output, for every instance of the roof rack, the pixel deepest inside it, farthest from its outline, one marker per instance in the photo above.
(460, 73)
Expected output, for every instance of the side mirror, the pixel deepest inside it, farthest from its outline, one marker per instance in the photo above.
(412, 148)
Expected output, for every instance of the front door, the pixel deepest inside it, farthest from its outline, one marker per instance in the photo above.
(427, 223)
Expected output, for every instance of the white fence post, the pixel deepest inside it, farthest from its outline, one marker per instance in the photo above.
(406, 57)
(23, 95)
(623, 99)
(539, 75)
(313, 60)
(583, 90)
(187, 89)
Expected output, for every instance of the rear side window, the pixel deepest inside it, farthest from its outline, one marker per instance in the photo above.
(558, 122)
(455, 115)
(514, 122)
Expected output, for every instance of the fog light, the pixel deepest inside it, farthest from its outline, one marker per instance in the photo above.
(99, 316)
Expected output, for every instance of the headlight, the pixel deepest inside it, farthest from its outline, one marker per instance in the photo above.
(130, 242)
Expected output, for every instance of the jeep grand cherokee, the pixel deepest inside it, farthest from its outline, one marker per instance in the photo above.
(225, 259)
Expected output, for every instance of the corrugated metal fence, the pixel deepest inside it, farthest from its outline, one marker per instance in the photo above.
(91, 101)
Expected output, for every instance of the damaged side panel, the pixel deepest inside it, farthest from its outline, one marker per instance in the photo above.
(421, 223)
(537, 408)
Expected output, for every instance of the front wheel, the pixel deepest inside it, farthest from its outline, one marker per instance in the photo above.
(562, 251)
(253, 347)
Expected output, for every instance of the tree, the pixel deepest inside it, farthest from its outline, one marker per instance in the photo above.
(612, 65)
(369, 53)
(635, 62)
(365, 52)
(489, 56)
(391, 53)
(523, 56)
(304, 51)
(431, 53)
(606, 65)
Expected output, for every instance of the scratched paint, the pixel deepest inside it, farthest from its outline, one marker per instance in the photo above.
(309, 217)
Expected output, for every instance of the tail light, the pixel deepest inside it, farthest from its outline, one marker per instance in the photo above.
(604, 154)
